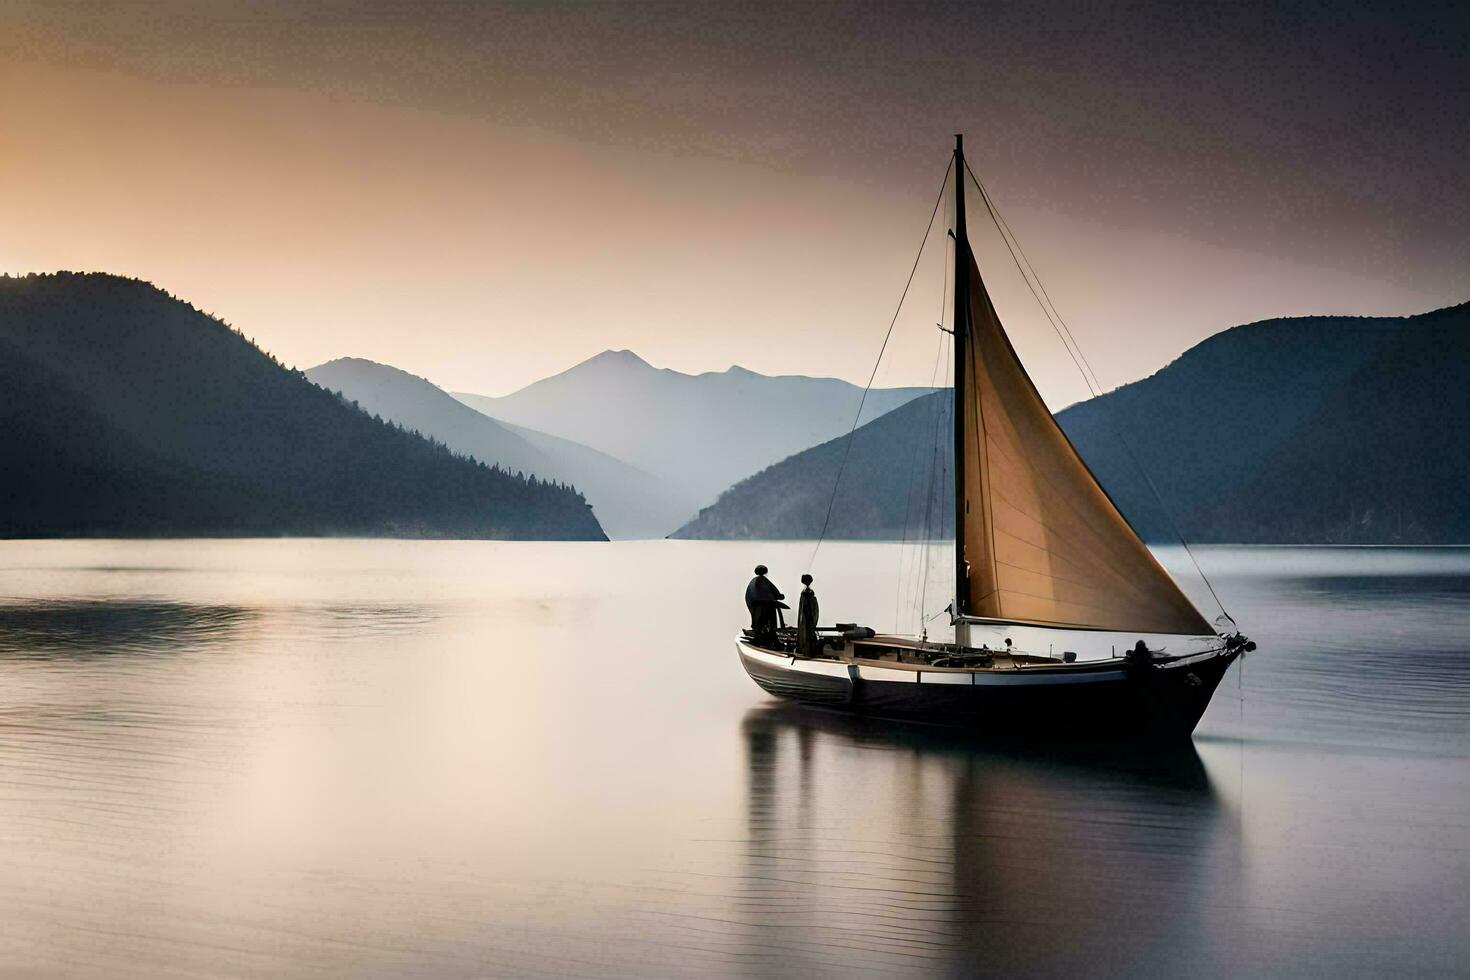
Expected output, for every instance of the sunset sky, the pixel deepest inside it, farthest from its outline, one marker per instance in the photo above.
(485, 194)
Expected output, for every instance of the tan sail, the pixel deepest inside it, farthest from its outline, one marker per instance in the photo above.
(1042, 540)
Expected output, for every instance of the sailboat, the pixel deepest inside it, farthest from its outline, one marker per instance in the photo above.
(1064, 621)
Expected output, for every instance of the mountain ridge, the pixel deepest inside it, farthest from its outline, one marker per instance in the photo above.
(1259, 433)
(697, 432)
(628, 502)
(127, 411)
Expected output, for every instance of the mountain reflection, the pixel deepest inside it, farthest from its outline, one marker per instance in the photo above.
(1378, 589)
(923, 850)
(81, 627)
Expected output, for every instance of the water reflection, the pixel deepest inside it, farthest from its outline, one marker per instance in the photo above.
(1415, 589)
(461, 759)
(349, 622)
(71, 628)
(922, 849)
(1369, 645)
(80, 627)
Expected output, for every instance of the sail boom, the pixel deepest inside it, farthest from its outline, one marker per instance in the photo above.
(1076, 627)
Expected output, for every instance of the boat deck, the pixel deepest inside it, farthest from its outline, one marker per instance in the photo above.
(908, 653)
(903, 653)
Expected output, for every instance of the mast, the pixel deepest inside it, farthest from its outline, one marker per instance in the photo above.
(1037, 539)
(961, 324)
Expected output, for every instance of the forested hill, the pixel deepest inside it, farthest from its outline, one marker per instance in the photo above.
(890, 482)
(124, 411)
(1301, 430)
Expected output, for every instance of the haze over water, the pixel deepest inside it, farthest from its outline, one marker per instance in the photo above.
(314, 758)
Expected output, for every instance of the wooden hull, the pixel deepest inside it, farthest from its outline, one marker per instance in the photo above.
(1108, 699)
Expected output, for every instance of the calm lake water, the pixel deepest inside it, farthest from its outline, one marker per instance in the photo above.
(461, 759)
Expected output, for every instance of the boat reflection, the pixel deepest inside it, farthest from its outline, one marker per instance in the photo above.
(916, 850)
(70, 628)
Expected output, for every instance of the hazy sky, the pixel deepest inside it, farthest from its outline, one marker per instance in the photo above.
(484, 194)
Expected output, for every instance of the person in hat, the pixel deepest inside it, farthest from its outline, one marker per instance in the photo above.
(762, 598)
(807, 644)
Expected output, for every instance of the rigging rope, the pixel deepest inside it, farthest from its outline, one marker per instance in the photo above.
(1089, 376)
(908, 496)
(857, 416)
(936, 469)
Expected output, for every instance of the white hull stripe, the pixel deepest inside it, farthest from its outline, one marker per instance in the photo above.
(1024, 676)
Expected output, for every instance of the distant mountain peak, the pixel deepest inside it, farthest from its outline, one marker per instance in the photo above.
(619, 357)
(365, 367)
(696, 433)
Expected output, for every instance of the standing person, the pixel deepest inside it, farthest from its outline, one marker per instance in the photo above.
(807, 611)
(762, 598)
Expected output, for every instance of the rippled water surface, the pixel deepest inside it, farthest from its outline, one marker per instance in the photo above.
(368, 758)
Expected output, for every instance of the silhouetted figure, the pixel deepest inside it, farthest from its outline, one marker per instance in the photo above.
(763, 600)
(807, 644)
(1139, 659)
